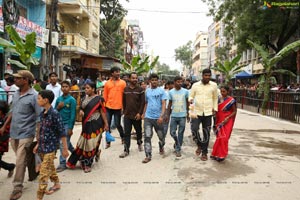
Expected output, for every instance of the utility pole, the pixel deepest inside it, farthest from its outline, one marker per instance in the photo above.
(53, 16)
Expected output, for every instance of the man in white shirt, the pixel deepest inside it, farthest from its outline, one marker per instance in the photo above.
(54, 86)
(204, 96)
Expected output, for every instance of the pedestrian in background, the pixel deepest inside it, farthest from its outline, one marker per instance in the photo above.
(113, 96)
(51, 131)
(66, 106)
(225, 118)
(178, 110)
(133, 107)
(54, 86)
(153, 115)
(204, 96)
(4, 139)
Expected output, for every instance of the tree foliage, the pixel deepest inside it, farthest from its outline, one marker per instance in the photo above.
(23, 48)
(272, 27)
(111, 39)
(165, 71)
(229, 68)
(269, 62)
(139, 65)
(184, 54)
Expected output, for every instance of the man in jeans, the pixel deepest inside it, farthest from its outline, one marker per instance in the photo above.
(24, 118)
(133, 107)
(113, 96)
(178, 109)
(66, 106)
(154, 111)
(204, 96)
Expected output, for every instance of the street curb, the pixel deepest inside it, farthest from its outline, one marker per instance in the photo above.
(271, 118)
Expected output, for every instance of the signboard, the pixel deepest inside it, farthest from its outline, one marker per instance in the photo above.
(24, 27)
(91, 63)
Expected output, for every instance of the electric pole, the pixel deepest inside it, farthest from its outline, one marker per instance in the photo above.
(53, 18)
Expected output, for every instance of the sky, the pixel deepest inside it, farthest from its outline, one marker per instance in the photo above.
(174, 23)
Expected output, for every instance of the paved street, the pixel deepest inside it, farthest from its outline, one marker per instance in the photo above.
(263, 163)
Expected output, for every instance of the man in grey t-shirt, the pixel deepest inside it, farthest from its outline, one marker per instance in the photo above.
(24, 118)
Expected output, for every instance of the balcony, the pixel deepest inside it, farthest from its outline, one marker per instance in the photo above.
(74, 42)
(76, 8)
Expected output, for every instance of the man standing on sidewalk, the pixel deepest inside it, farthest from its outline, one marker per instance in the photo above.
(66, 106)
(204, 96)
(113, 96)
(133, 107)
(54, 86)
(178, 109)
(154, 111)
(24, 117)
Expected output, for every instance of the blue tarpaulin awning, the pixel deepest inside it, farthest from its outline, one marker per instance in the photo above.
(242, 75)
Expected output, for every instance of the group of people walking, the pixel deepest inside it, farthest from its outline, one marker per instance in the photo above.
(49, 116)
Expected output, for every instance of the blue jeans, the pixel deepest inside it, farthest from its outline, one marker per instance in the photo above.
(178, 138)
(149, 124)
(62, 160)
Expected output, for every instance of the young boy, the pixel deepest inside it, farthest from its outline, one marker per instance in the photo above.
(154, 111)
(51, 129)
(4, 138)
(66, 106)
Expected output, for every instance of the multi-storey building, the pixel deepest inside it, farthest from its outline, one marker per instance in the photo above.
(200, 59)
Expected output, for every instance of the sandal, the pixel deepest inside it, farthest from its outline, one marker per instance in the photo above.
(87, 169)
(16, 194)
(146, 160)
(52, 190)
(198, 151)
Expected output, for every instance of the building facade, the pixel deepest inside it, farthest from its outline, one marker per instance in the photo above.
(200, 58)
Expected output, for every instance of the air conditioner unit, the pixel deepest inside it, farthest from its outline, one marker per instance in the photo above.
(54, 40)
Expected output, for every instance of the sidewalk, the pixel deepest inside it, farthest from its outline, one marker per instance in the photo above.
(263, 163)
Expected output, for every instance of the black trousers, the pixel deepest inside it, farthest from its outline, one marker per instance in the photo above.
(5, 165)
(117, 117)
(206, 127)
(128, 123)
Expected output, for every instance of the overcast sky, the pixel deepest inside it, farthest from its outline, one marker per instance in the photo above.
(174, 23)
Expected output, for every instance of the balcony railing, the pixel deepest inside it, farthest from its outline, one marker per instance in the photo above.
(74, 42)
(75, 8)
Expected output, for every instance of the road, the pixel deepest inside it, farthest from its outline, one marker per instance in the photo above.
(263, 163)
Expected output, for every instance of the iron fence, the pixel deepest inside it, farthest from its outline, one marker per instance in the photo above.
(283, 105)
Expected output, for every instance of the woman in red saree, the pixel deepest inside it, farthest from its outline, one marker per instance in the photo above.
(94, 122)
(225, 118)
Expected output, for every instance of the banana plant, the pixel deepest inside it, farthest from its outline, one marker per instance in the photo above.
(24, 49)
(139, 65)
(229, 68)
(269, 63)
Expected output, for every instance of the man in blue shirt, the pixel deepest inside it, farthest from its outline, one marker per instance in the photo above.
(154, 111)
(66, 106)
(178, 109)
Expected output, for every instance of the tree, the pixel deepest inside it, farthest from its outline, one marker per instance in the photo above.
(111, 40)
(269, 62)
(271, 27)
(229, 68)
(165, 71)
(184, 54)
(139, 65)
(24, 49)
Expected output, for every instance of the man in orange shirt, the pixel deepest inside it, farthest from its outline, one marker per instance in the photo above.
(113, 96)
